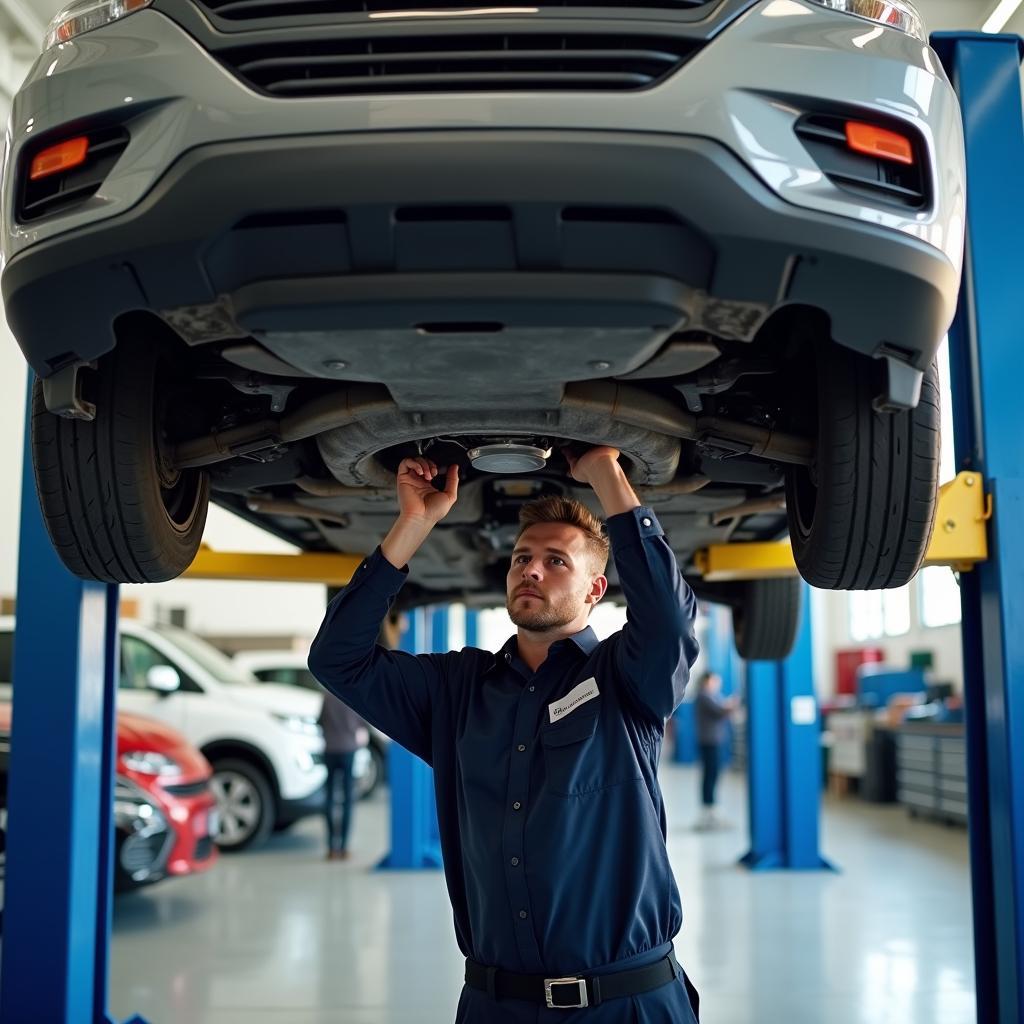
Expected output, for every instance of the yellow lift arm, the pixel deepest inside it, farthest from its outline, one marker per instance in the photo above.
(959, 539)
(308, 567)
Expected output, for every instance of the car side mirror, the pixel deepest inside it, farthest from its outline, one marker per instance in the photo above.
(163, 679)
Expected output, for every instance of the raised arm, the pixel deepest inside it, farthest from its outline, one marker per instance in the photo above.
(390, 689)
(657, 646)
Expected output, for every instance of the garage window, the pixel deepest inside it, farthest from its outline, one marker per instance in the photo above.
(939, 596)
(874, 614)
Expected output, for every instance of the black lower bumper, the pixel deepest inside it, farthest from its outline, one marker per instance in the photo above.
(283, 218)
(293, 810)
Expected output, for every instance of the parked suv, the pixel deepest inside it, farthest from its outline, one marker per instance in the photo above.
(290, 668)
(294, 242)
(262, 740)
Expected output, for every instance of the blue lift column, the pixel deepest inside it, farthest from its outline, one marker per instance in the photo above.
(440, 643)
(472, 627)
(784, 758)
(985, 358)
(57, 906)
(413, 820)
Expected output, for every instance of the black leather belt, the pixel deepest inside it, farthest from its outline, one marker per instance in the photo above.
(569, 993)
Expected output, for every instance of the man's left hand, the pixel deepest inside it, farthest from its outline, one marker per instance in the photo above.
(591, 465)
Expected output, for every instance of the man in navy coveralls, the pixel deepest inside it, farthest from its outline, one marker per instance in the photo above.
(545, 755)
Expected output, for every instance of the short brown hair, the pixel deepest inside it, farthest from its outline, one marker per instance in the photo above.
(556, 509)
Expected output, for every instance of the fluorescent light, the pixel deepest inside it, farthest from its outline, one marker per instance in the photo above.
(1003, 12)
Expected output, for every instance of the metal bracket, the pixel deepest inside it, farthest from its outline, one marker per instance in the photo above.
(62, 393)
(959, 540)
(902, 387)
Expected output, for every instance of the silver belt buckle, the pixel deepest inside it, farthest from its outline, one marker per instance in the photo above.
(580, 982)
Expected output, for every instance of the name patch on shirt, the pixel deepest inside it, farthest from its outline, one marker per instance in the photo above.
(587, 690)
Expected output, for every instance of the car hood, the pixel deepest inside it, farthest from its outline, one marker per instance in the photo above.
(284, 700)
(136, 732)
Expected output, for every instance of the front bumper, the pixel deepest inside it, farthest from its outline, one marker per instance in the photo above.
(714, 144)
(192, 819)
(302, 807)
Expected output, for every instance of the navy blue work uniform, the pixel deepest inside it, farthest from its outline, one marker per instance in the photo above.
(551, 818)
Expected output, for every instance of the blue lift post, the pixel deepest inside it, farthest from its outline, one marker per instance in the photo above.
(413, 825)
(440, 643)
(57, 893)
(727, 664)
(684, 721)
(784, 759)
(985, 359)
(472, 627)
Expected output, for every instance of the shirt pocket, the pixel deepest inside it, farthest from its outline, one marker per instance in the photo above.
(570, 759)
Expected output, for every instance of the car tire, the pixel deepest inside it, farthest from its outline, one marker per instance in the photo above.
(245, 804)
(114, 509)
(766, 618)
(371, 779)
(861, 518)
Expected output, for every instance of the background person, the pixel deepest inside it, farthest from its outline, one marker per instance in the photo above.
(712, 713)
(344, 733)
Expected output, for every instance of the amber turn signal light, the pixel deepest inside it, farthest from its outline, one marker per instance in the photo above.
(879, 142)
(61, 157)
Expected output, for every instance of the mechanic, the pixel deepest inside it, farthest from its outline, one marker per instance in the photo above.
(551, 818)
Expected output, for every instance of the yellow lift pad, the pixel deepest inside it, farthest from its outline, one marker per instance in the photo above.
(959, 540)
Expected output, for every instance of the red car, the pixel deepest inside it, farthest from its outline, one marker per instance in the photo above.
(174, 835)
(177, 777)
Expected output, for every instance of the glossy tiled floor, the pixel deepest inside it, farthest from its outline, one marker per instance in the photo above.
(281, 937)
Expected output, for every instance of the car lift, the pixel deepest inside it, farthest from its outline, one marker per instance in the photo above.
(57, 913)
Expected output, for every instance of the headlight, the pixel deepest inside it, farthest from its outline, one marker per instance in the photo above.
(149, 762)
(899, 14)
(85, 15)
(298, 723)
(132, 807)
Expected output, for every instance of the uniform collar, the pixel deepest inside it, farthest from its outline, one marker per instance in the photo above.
(585, 640)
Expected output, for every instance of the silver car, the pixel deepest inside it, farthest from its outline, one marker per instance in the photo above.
(260, 250)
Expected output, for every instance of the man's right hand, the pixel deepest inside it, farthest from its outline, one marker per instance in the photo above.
(421, 507)
(417, 496)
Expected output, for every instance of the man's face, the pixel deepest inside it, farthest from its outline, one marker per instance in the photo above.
(551, 580)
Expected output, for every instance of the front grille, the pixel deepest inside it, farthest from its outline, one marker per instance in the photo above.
(417, 64)
(245, 10)
(824, 136)
(189, 788)
(142, 854)
(60, 192)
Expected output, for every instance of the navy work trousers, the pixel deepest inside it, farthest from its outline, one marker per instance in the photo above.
(710, 759)
(340, 784)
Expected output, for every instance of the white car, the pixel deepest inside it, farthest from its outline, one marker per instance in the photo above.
(262, 740)
(290, 668)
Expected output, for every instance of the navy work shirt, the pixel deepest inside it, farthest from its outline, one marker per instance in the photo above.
(552, 823)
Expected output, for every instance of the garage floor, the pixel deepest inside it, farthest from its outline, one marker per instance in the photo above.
(280, 936)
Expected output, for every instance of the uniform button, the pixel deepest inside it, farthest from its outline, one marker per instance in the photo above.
(646, 521)
(532, 688)
(516, 806)
(515, 861)
(508, 658)
(521, 747)
(522, 914)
